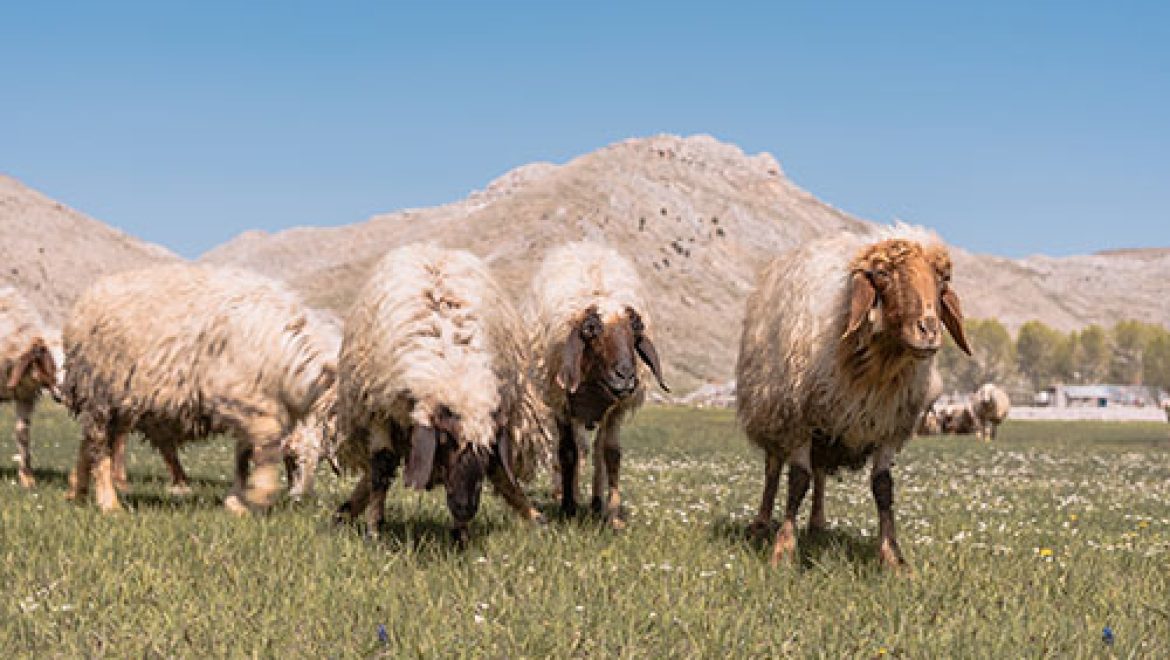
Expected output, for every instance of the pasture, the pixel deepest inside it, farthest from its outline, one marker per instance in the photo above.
(1028, 547)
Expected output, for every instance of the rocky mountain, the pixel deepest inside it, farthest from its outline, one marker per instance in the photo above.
(52, 252)
(698, 218)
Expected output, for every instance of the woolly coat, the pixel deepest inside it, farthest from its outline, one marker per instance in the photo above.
(991, 404)
(572, 278)
(187, 351)
(796, 379)
(433, 328)
(20, 327)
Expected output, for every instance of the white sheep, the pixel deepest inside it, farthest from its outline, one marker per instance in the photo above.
(27, 367)
(433, 371)
(990, 406)
(837, 361)
(181, 352)
(592, 327)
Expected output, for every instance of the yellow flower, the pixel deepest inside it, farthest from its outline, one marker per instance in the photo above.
(1045, 552)
(1072, 517)
(882, 651)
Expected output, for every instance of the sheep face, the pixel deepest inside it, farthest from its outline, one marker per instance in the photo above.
(602, 354)
(37, 367)
(903, 292)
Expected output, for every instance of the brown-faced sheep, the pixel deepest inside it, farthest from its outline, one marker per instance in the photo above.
(182, 352)
(990, 406)
(957, 419)
(592, 328)
(27, 367)
(433, 371)
(836, 363)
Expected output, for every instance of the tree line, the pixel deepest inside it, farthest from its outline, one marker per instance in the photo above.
(1128, 353)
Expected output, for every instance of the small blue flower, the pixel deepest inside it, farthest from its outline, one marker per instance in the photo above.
(384, 637)
(1107, 636)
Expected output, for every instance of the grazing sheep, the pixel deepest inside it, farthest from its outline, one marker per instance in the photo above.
(181, 352)
(958, 419)
(837, 361)
(592, 327)
(928, 423)
(27, 366)
(433, 370)
(990, 407)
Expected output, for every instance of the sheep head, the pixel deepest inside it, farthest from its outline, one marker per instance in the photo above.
(605, 353)
(436, 452)
(37, 365)
(902, 290)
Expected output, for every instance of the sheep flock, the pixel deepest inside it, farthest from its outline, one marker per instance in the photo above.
(438, 376)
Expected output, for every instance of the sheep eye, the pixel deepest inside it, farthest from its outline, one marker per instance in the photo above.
(591, 328)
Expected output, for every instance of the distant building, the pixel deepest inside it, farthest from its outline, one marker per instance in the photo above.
(1098, 396)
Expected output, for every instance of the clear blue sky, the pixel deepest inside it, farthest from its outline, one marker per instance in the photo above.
(1012, 129)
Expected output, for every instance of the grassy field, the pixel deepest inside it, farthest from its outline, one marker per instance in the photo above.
(1030, 547)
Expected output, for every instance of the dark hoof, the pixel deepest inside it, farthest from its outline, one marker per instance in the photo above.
(459, 537)
(569, 509)
(759, 530)
(597, 506)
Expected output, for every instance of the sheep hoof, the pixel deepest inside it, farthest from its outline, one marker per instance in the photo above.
(180, 490)
(759, 529)
(459, 537)
(235, 505)
(596, 505)
(891, 558)
(617, 523)
(27, 480)
(785, 550)
(122, 486)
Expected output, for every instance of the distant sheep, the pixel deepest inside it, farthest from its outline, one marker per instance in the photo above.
(433, 371)
(990, 406)
(837, 361)
(958, 419)
(592, 327)
(27, 366)
(181, 352)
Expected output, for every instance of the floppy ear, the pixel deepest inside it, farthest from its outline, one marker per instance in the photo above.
(22, 366)
(862, 298)
(569, 377)
(649, 355)
(423, 444)
(952, 318)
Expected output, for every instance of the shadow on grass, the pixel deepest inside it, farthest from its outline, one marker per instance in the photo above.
(812, 546)
(426, 537)
(44, 476)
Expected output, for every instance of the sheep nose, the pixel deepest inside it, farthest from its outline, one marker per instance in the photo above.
(928, 326)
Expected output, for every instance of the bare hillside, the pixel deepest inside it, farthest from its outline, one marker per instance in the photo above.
(697, 217)
(51, 252)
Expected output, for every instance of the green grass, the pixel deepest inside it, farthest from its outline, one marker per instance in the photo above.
(1029, 547)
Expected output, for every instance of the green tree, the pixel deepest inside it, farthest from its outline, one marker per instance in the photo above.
(1129, 343)
(1036, 348)
(1156, 362)
(1093, 354)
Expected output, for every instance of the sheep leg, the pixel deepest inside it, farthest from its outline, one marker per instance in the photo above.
(103, 469)
(512, 493)
(383, 464)
(882, 484)
(358, 500)
(567, 457)
(464, 485)
(235, 501)
(799, 476)
(121, 483)
(612, 449)
(81, 475)
(24, 411)
(600, 480)
(180, 484)
(264, 484)
(816, 520)
(772, 465)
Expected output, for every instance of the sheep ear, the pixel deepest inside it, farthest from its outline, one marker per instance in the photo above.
(22, 366)
(862, 298)
(423, 444)
(952, 318)
(569, 377)
(649, 355)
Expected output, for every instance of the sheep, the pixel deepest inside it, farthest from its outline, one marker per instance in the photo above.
(591, 326)
(27, 366)
(990, 406)
(180, 352)
(958, 419)
(836, 362)
(433, 371)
